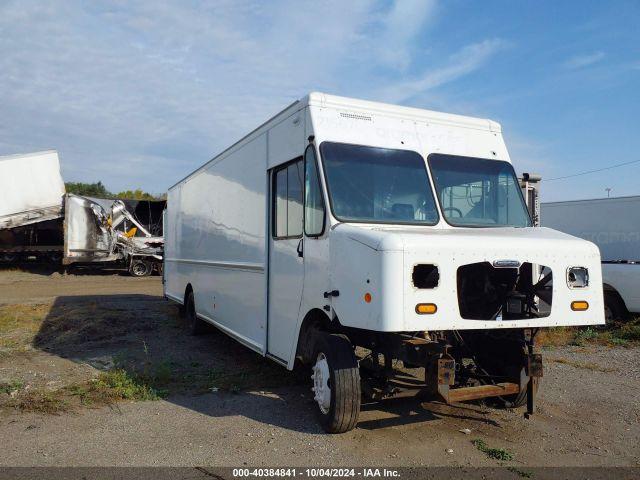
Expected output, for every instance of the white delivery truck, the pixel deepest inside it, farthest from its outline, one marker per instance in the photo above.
(614, 225)
(387, 247)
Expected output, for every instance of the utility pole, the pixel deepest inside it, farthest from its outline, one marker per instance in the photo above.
(608, 189)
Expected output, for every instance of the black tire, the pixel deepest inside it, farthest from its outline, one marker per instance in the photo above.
(614, 309)
(195, 326)
(519, 399)
(344, 383)
(503, 357)
(140, 268)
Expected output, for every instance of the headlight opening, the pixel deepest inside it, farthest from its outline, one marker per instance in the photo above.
(577, 277)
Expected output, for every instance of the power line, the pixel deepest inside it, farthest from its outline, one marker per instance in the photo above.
(592, 171)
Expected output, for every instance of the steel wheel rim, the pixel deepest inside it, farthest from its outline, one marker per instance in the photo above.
(321, 388)
(139, 269)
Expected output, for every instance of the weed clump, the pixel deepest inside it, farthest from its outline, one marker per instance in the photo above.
(495, 453)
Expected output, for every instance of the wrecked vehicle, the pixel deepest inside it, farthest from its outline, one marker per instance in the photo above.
(127, 232)
(343, 223)
(39, 222)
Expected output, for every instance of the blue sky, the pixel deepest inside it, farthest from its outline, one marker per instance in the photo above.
(139, 93)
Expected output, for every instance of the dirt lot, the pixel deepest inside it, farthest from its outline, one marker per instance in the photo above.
(97, 370)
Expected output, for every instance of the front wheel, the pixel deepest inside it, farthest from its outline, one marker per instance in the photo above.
(336, 383)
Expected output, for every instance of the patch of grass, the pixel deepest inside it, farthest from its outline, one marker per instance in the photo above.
(584, 336)
(520, 473)
(108, 388)
(40, 401)
(11, 386)
(495, 453)
(22, 317)
(555, 337)
(620, 334)
(112, 386)
(585, 365)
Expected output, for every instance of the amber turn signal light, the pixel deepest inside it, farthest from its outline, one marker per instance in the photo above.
(367, 297)
(579, 306)
(426, 308)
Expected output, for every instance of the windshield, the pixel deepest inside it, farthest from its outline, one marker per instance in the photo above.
(378, 185)
(478, 192)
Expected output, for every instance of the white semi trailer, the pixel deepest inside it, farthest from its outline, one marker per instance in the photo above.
(614, 225)
(358, 238)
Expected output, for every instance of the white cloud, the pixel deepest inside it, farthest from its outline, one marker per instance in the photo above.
(466, 60)
(581, 61)
(399, 29)
(116, 86)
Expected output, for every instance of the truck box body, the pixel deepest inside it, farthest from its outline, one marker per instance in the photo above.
(31, 207)
(31, 189)
(258, 287)
(613, 224)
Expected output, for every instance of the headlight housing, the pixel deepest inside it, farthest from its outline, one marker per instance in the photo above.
(577, 277)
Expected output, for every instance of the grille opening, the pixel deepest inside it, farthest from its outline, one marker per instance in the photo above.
(489, 293)
(425, 276)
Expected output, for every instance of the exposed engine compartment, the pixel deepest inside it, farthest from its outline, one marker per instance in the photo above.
(487, 292)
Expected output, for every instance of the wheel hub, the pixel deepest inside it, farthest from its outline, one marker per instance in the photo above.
(321, 387)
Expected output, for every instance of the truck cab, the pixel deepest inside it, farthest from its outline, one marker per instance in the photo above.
(416, 245)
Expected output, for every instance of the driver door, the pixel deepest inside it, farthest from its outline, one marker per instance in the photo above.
(286, 267)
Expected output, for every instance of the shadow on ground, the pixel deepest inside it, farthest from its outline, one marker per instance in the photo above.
(144, 336)
(48, 269)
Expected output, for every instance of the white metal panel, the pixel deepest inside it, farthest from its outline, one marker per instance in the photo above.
(611, 223)
(215, 242)
(625, 278)
(287, 140)
(384, 256)
(31, 188)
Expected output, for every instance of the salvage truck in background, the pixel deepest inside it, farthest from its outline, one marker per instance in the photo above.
(41, 223)
(613, 224)
(387, 247)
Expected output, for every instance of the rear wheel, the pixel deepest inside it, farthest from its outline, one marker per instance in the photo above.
(195, 326)
(336, 383)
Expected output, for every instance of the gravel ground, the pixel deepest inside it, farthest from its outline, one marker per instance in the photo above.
(588, 409)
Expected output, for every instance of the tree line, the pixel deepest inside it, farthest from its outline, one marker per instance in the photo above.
(98, 190)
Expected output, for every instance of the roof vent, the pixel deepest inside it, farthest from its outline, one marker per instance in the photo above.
(356, 116)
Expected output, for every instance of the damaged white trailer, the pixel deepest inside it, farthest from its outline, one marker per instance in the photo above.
(342, 223)
(31, 189)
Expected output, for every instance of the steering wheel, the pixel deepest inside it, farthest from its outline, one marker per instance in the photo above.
(453, 209)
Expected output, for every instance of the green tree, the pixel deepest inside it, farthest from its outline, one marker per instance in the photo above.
(88, 189)
(136, 194)
(100, 191)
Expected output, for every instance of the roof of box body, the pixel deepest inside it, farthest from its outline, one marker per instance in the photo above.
(23, 155)
(323, 100)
